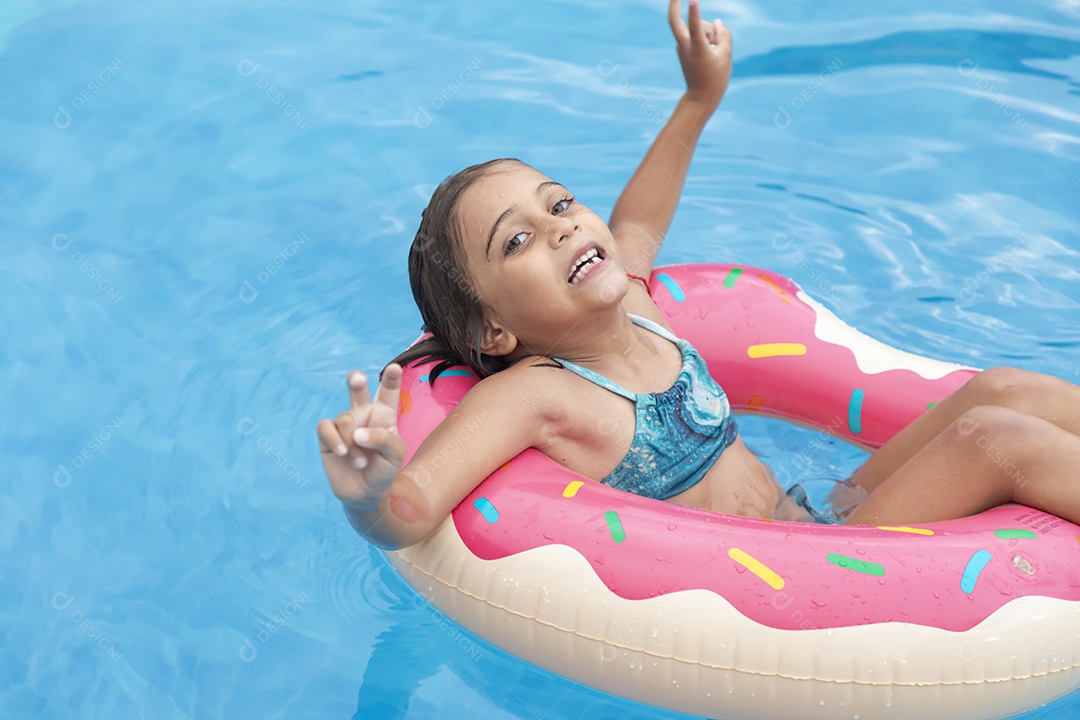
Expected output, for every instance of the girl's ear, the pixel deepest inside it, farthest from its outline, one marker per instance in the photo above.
(498, 340)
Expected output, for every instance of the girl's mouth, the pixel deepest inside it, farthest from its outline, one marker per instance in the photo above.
(585, 264)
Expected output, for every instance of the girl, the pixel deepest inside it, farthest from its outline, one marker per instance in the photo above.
(546, 303)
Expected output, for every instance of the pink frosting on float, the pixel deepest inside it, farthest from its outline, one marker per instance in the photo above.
(950, 575)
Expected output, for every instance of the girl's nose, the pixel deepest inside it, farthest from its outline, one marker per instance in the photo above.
(562, 228)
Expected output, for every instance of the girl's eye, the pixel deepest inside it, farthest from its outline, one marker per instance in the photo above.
(514, 243)
(562, 206)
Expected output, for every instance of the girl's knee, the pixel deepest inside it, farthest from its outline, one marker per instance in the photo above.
(1007, 387)
(992, 420)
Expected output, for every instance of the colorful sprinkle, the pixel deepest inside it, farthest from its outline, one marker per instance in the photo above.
(571, 490)
(859, 566)
(732, 276)
(506, 465)
(672, 286)
(854, 411)
(448, 373)
(931, 405)
(757, 567)
(404, 402)
(486, 509)
(775, 350)
(615, 526)
(906, 529)
(755, 402)
(772, 283)
(974, 568)
(1010, 534)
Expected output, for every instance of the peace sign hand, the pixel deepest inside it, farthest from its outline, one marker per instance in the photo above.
(361, 450)
(704, 52)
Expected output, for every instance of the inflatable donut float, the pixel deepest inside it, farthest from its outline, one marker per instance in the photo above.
(725, 616)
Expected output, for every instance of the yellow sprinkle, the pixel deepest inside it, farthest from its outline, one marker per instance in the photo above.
(755, 566)
(571, 489)
(775, 349)
(904, 528)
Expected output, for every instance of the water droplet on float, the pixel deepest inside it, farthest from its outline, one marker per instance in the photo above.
(821, 702)
(860, 551)
(672, 526)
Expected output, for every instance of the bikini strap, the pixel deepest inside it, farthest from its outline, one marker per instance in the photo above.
(653, 327)
(597, 378)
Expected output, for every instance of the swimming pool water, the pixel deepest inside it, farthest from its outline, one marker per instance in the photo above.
(206, 210)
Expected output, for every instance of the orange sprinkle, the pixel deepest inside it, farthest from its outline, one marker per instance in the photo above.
(405, 402)
(772, 283)
(755, 402)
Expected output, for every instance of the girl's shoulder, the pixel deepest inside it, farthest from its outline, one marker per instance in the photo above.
(535, 384)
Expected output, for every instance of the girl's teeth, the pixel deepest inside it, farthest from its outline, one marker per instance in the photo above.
(588, 266)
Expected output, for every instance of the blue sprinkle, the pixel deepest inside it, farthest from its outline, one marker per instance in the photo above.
(672, 286)
(448, 373)
(974, 568)
(854, 411)
(486, 509)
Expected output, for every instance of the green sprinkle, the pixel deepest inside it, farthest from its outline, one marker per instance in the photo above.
(859, 566)
(931, 405)
(732, 276)
(1009, 534)
(615, 526)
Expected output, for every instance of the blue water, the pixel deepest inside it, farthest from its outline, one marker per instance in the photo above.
(206, 209)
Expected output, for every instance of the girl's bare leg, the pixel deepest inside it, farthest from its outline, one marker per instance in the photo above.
(1041, 396)
(988, 456)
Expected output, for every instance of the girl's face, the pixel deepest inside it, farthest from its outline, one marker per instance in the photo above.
(537, 258)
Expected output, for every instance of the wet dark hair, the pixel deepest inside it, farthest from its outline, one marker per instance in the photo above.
(448, 304)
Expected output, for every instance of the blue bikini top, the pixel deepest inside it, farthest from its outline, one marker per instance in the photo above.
(680, 432)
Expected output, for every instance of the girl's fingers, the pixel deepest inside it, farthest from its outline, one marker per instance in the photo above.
(330, 439)
(697, 30)
(389, 386)
(678, 27)
(358, 391)
(383, 441)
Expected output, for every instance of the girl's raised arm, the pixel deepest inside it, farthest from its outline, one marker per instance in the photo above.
(394, 506)
(644, 211)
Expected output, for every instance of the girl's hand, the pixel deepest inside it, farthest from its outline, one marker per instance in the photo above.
(361, 450)
(704, 53)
